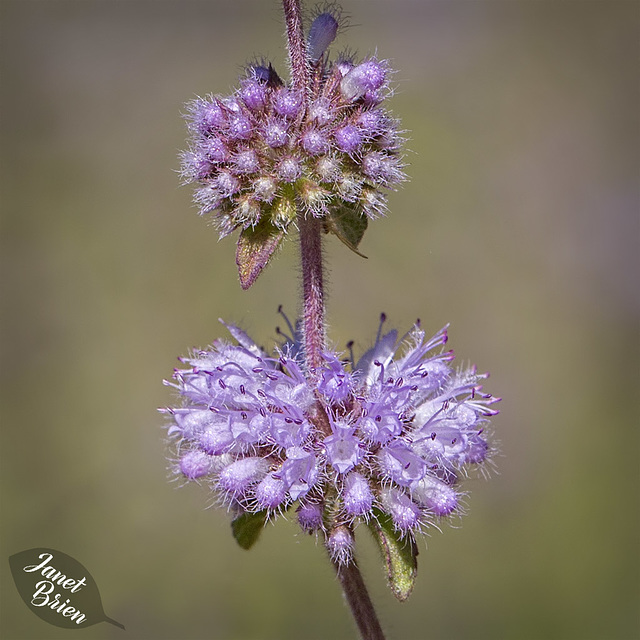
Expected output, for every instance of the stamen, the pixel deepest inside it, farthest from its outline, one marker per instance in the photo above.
(383, 318)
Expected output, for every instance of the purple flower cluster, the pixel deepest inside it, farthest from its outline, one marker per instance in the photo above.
(257, 153)
(393, 432)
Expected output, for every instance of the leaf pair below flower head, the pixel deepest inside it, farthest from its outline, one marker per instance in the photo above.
(256, 245)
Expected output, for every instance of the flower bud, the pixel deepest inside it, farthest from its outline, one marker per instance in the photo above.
(207, 198)
(367, 76)
(327, 168)
(322, 33)
(310, 516)
(314, 142)
(340, 543)
(270, 493)
(289, 169)
(253, 94)
(287, 103)
(403, 511)
(226, 183)
(208, 116)
(246, 162)
(436, 495)
(264, 188)
(195, 464)
(283, 212)
(321, 111)
(357, 495)
(275, 133)
(248, 210)
(215, 438)
(348, 138)
(240, 127)
(240, 475)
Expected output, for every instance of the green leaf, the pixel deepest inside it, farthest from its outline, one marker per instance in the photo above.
(400, 555)
(247, 528)
(255, 247)
(349, 224)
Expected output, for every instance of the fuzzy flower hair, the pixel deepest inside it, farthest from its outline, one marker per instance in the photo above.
(266, 152)
(390, 435)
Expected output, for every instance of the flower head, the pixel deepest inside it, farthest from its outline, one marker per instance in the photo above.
(392, 433)
(257, 153)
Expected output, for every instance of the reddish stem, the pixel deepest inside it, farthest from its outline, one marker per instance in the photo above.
(359, 601)
(297, 46)
(310, 228)
(312, 292)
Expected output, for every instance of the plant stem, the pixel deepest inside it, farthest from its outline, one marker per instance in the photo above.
(297, 47)
(312, 292)
(310, 228)
(313, 323)
(359, 601)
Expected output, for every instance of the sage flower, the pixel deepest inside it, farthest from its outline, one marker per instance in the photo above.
(394, 432)
(259, 155)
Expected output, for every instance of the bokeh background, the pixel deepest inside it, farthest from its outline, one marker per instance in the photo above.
(519, 227)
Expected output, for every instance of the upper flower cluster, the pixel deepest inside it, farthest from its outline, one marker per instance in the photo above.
(266, 151)
(392, 433)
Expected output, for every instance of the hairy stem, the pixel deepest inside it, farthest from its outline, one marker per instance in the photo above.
(359, 601)
(310, 227)
(312, 292)
(313, 318)
(297, 46)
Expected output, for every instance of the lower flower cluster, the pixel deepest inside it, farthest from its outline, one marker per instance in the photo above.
(393, 432)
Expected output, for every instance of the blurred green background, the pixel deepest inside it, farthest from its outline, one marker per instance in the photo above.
(519, 227)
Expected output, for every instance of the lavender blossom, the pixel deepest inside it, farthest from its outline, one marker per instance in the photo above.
(334, 154)
(247, 136)
(394, 432)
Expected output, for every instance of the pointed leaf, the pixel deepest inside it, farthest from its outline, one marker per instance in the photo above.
(399, 554)
(349, 224)
(247, 528)
(255, 247)
(58, 589)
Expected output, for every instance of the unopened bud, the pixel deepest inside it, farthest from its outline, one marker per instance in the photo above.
(321, 34)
